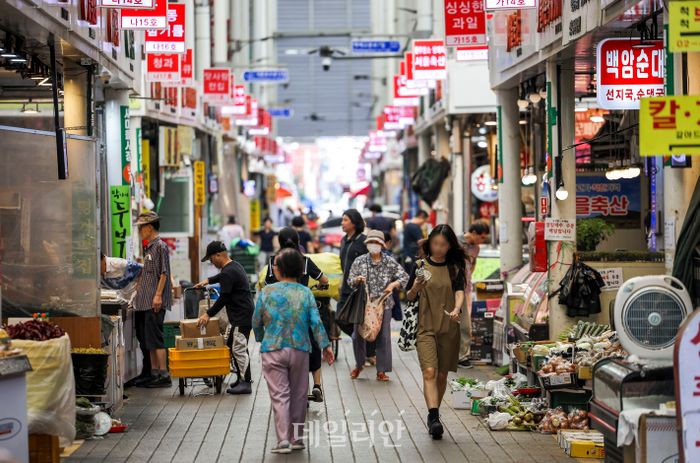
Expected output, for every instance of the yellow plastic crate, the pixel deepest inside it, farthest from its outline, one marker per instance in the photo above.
(199, 372)
(199, 354)
(213, 363)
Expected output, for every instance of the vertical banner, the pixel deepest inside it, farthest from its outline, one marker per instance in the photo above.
(126, 145)
(139, 154)
(199, 184)
(255, 214)
(120, 204)
(146, 167)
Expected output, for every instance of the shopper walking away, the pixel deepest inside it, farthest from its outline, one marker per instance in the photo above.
(236, 296)
(412, 235)
(380, 222)
(382, 275)
(441, 297)
(477, 235)
(284, 315)
(351, 247)
(305, 240)
(266, 240)
(153, 298)
(289, 239)
(231, 231)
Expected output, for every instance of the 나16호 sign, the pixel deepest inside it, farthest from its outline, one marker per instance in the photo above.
(669, 126)
(172, 38)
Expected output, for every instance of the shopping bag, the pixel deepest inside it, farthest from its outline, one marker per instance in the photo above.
(409, 327)
(374, 314)
(353, 310)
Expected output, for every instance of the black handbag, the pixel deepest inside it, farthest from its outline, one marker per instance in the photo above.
(353, 310)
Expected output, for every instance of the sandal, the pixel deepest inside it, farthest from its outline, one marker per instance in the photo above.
(355, 373)
(381, 376)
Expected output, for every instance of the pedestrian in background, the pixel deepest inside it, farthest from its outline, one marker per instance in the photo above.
(380, 222)
(153, 298)
(231, 231)
(441, 298)
(412, 234)
(382, 275)
(266, 240)
(284, 314)
(477, 235)
(305, 239)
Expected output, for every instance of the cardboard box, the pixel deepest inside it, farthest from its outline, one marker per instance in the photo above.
(190, 330)
(198, 343)
(582, 444)
(461, 400)
(658, 438)
(585, 373)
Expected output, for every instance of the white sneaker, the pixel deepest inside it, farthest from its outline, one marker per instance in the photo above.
(298, 445)
(282, 448)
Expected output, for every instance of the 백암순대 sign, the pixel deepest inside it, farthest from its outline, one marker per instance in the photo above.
(465, 22)
(429, 60)
(616, 201)
(669, 125)
(684, 26)
(142, 19)
(627, 72)
(559, 229)
(172, 38)
(162, 67)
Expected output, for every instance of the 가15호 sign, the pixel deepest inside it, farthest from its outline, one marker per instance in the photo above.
(465, 22)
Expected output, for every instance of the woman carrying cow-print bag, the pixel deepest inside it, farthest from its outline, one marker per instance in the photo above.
(409, 328)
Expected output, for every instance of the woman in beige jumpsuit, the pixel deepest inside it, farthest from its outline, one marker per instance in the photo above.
(441, 297)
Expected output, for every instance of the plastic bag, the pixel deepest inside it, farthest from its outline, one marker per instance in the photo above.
(329, 264)
(50, 388)
(498, 420)
(90, 373)
(353, 311)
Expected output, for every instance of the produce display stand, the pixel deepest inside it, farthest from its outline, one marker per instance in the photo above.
(189, 366)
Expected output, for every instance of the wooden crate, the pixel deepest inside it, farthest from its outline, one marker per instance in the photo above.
(43, 448)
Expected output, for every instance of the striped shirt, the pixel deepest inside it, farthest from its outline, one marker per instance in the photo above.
(156, 262)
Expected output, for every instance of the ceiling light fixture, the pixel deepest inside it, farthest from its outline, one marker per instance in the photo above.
(482, 144)
(522, 104)
(597, 119)
(535, 97)
(490, 123)
(522, 122)
(561, 193)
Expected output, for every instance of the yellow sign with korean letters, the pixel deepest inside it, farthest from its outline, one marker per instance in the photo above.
(669, 125)
(200, 195)
(255, 214)
(683, 25)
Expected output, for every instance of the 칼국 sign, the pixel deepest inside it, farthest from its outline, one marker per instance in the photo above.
(465, 22)
(628, 72)
(669, 125)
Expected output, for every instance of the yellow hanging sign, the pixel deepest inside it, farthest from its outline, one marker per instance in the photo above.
(199, 191)
(683, 26)
(669, 125)
(255, 214)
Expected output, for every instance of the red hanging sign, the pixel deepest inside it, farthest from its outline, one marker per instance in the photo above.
(392, 118)
(88, 11)
(217, 82)
(172, 38)
(465, 22)
(162, 67)
(187, 69)
(429, 59)
(142, 19)
(133, 4)
(628, 71)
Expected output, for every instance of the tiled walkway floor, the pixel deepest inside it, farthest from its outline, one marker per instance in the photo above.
(165, 427)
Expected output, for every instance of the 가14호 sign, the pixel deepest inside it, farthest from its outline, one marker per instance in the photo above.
(627, 72)
(669, 125)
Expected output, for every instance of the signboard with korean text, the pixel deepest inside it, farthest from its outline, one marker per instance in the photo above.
(281, 113)
(627, 72)
(187, 69)
(478, 53)
(126, 144)
(465, 22)
(549, 25)
(375, 46)
(392, 118)
(88, 11)
(200, 195)
(559, 229)
(684, 26)
(411, 82)
(612, 277)
(172, 38)
(216, 87)
(616, 201)
(578, 18)
(512, 37)
(143, 19)
(266, 75)
(188, 102)
(429, 59)
(510, 4)
(145, 4)
(120, 212)
(162, 67)
(255, 214)
(669, 125)
(686, 372)
(239, 102)
(377, 141)
(483, 184)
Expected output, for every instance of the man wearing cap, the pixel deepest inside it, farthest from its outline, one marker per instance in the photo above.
(236, 296)
(153, 298)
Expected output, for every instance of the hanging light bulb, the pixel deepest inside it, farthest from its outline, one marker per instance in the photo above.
(530, 178)
(522, 104)
(633, 172)
(561, 193)
(535, 97)
(543, 92)
(598, 119)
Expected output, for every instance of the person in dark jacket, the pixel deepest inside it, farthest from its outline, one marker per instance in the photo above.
(352, 246)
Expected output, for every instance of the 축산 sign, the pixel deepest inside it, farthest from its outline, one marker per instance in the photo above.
(376, 46)
(669, 126)
(266, 75)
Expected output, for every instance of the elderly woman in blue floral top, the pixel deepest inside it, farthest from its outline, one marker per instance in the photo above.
(283, 315)
(382, 274)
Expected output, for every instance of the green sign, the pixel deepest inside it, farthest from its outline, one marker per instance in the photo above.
(126, 145)
(120, 211)
(138, 150)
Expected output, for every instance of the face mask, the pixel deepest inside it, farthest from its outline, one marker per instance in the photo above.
(374, 248)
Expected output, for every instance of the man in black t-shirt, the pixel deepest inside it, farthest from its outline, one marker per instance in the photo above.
(305, 239)
(236, 296)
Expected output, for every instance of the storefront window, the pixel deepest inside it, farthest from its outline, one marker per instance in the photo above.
(48, 227)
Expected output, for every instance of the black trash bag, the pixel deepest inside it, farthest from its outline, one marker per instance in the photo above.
(428, 179)
(90, 372)
(579, 290)
(353, 310)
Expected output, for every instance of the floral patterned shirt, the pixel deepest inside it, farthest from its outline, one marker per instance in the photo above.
(283, 315)
(379, 275)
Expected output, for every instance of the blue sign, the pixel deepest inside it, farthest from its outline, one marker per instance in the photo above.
(266, 75)
(284, 113)
(376, 46)
(617, 201)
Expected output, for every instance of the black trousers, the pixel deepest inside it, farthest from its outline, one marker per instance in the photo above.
(245, 330)
(140, 327)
